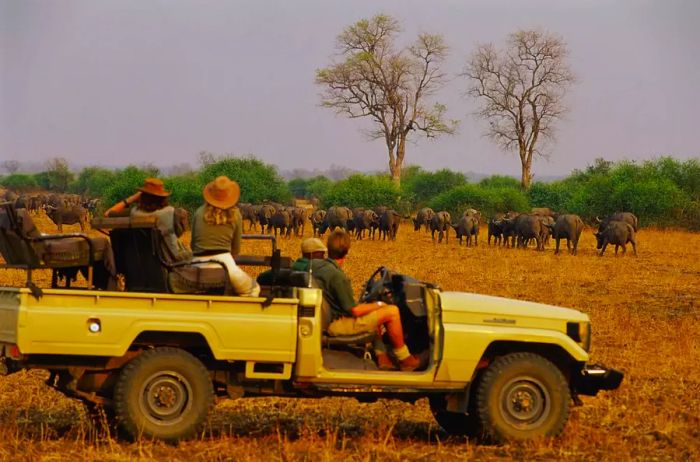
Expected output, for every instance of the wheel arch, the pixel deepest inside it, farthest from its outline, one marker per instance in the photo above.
(194, 343)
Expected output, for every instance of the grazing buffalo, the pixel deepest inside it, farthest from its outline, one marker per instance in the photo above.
(530, 227)
(548, 222)
(67, 216)
(495, 228)
(627, 217)
(389, 225)
(265, 212)
(338, 217)
(281, 222)
(618, 233)
(364, 221)
(299, 215)
(467, 227)
(250, 212)
(317, 218)
(423, 218)
(441, 222)
(569, 227)
(508, 225)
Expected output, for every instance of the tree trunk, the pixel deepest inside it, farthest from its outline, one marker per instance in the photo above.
(526, 176)
(395, 170)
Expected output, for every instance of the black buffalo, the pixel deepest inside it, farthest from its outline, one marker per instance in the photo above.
(467, 227)
(68, 216)
(366, 220)
(569, 227)
(441, 222)
(618, 233)
(530, 227)
(495, 228)
(423, 218)
(389, 225)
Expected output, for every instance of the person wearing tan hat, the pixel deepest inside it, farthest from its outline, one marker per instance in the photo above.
(152, 200)
(216, 232)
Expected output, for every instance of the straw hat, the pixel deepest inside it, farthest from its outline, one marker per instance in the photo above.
(312, 244)
(222, 192)
(154, 187)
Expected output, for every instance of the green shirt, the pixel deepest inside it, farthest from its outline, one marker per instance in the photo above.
(336, 287)
(208, 239)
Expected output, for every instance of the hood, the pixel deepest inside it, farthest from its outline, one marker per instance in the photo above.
(468, 308)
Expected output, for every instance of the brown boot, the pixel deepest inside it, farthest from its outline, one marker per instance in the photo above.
(384, 362)
(409, 364)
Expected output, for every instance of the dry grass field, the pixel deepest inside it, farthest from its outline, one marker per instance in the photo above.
(646, 321)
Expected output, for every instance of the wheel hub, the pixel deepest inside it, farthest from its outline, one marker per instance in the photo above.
(525, 403)
(165, 396)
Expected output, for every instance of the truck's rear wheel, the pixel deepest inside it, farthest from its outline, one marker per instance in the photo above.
(522, 396)
(164, 393)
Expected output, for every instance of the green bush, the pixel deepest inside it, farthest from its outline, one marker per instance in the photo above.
(93, 181)
(306, 188)
(420, 187)
(363, 191)
(186, 191)
(258, 181)
(20, 182)
(487, 200)
(500, 181)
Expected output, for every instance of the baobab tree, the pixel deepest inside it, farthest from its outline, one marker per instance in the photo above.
(390, 85)
(521, 91)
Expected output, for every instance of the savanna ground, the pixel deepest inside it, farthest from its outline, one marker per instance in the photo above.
(646, 321)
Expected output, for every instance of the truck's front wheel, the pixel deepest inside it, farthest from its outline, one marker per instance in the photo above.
(164, 393)
(522, 396)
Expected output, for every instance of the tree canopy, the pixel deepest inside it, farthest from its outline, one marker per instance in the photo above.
(388, 84)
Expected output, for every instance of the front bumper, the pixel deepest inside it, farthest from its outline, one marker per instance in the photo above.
(591, 379)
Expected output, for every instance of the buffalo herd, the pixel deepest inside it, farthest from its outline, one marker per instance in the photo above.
(509, 229)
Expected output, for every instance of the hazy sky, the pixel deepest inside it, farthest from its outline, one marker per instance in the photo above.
(133, 81)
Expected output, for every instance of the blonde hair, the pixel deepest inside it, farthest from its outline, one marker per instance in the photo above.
(216, 216)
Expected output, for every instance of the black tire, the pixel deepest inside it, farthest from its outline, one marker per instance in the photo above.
(454, 423)
(522, 396)
(150, 379)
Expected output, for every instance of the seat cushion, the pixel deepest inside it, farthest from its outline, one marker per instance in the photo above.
(357, 339)
(197, 279)
(70, 251)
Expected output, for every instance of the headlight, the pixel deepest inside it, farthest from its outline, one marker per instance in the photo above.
(580, 332)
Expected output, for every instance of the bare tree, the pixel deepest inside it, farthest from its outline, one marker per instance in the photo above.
(10, 166)
(521, 91)
(388, 84)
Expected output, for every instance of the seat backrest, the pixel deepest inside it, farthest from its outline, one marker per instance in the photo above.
(15, 227)
(134, 242)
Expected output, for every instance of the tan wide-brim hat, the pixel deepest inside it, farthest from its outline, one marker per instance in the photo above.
(222, 192)
(154, 187)
(312, 244)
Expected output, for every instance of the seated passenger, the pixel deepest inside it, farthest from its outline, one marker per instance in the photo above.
(152, 200)
(216, 233)
(350, 318)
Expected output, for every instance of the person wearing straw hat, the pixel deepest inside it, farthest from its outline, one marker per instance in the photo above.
(216, 232)
(152, 200)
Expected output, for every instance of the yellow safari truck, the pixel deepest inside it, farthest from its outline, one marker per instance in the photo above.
(156, 360)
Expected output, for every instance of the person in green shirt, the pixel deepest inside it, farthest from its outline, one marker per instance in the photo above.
(348, 317)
